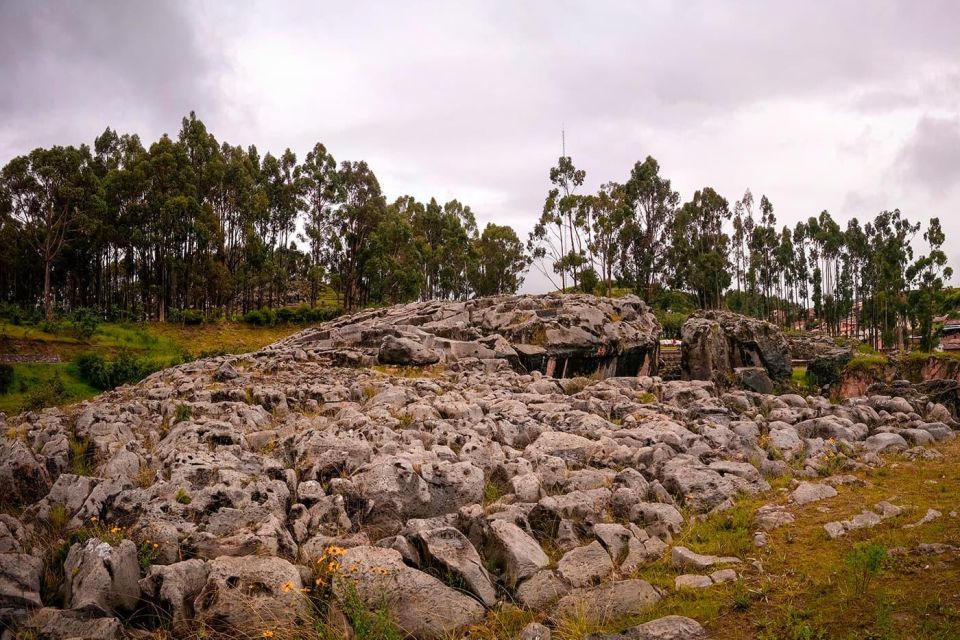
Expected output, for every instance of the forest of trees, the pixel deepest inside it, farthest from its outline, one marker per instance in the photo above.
(638, 234)
(194, 224)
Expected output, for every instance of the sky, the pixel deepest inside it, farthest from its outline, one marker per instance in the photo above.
(852, 107)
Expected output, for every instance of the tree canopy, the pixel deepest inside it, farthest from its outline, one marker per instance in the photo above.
(193, 223)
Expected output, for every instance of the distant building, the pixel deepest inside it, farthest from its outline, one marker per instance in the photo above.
(950, 335)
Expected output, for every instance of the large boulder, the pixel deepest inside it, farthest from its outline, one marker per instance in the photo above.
(560, 335)
(715, 343)
(19, 584)
(248, 593)
(451, 550)
(102, 577)
(419, 604)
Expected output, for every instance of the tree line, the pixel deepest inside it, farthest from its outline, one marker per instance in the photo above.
(861, 279)
(190, 223)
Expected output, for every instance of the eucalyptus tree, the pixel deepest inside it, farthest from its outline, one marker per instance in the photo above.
(44, 194)
(556, 237)
(321, 193)
(500, 261)
(650, 205)
(928, 274)
(700, 248)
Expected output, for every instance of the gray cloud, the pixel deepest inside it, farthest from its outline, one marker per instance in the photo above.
(811, 103)
(71, 68)
(932, 155)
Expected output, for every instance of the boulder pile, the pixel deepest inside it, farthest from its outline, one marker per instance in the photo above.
(728, 348)
(245, 494)
(560, 336)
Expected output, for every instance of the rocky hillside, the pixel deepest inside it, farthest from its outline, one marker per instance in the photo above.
(423, 470)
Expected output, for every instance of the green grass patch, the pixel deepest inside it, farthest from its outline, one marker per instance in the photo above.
(39, 384)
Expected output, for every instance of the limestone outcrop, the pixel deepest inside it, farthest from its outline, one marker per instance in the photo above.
(722, 346)
(240, 492)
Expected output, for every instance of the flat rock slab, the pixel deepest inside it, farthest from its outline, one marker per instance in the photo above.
(807, 492)
(683, 557)
(667, 628)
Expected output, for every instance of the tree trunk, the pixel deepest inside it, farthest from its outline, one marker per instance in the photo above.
(47, 302)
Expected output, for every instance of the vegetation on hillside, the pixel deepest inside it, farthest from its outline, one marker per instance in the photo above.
(637, 234)
(116, 353)
(191, 228)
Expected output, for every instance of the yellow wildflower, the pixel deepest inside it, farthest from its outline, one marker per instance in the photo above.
(287, 587)
(268, 634)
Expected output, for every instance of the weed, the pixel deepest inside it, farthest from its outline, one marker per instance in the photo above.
(182, 496)
(795, 625)
(647, 398)
(864, 562)
(184, 412)
(58, 517)
(81, 456)
(491, 493)
(145, 477)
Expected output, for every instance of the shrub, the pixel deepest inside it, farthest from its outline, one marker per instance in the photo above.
(103, 374)
(864, 561)
(303, 314)
(192, 316)
(83, 323)
(182, 496)
(671, 321)
(51, 393)
(6, 377)
(184, 412)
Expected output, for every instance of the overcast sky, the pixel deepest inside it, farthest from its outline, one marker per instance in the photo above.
(852, 107)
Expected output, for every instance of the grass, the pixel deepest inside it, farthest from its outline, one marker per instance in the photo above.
(800, 382)
(811, 587)
(30, 376)
(162, 343)
(867, 362)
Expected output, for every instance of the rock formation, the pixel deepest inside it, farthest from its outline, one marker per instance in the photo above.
(725, 347)
(560, 336)
(255, 490)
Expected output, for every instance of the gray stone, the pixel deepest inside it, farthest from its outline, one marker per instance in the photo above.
(451, 550)
(724, 575)
(404, 351)
(19, 584)
(682, 557)
(585, 566)
(535, 631)
(418, 603)
(517, 554)
(883, 442)
(807, 492)
(666, 628)
(610, 601)
(692, 581)
(541, 590)
(250, 593)
(174, 587)
(102, 577)
(54, 624)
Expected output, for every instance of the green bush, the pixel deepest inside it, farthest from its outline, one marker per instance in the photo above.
(303, 314)
(192, 316)
(103, 374)
(864, 561)
(83, 323)
(6, 378)
(671, 321)
(51, 393)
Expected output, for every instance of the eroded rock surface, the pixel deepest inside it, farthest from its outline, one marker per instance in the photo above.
(252, 483)
(722, 346)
